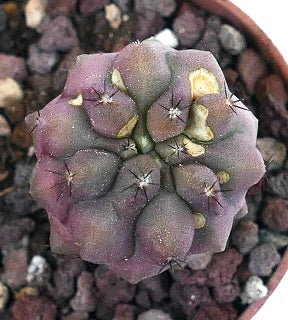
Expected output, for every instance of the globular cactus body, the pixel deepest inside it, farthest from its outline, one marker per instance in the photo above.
(145, 158)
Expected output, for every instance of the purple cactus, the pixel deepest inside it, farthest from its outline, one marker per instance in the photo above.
(144, 159)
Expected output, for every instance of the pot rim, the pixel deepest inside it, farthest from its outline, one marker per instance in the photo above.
(230, 12)
(235, 16)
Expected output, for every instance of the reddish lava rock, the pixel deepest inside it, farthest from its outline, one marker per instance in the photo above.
(12, 67)
(245, 236)
(77, 315)
(227, 292)
(271, 89)
(124, 312)
(15, 268)
(58, 34)
(56, 7)
(85, 299)
(189, 297)
(273, 114)
(112, 288)
(275, 214)
(251, 60)
(213, 312)
(188, 28)
(187, 277)
(34, 308)
(223, 267)
(88, 7)
(157, 287)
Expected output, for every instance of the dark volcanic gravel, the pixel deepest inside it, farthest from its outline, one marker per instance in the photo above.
(67, 288)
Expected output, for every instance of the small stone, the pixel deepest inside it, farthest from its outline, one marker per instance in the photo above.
(64, 277)
(4, 296)
(6, 41)
(113, 15)
(38, 271)
(56, 7)
(142, 299)
(227, 292)
(5, 130)
(249, 60)
(231, 77)
(88, 7)
(15, 268)
(85, 299)
(3, 20)
(213, 311)
(34, 13)
(253, 202)
(112, 288)
(243, 273)
(157, 288)
(58, 34)
(167, 37)
(275, 214)
(60, 75)
(40, 61)
(10, 92)
(188, 277)
(226, 59)
(223, 267)
(21, 137)
(209, 42)
(123, 4)
(12, 67)
(13, 230)
(245, 236)
(146, 24)
(188, 28)
(198, 261)
(155, 314)
(19, 201)
(124, 312)
(231, 39)
(77, 315)
(34, 308)
(273, 114)
(272, 151)
(254, 290)
(263, 259)
(213, 23)
(278, 185)
(271, 90)
(27, 292)
(164, 7)
(278, 240)
(188, 297)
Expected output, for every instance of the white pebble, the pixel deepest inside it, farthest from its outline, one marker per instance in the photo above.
(4, 296)
(36, 268)
(5, 130)
(254, 290)
(34, 13)
(113, 15)
(10, 92)
(167, 37)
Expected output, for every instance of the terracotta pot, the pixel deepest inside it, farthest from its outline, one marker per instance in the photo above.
(227, 10)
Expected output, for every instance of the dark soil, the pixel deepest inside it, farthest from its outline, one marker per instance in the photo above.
(66, 287)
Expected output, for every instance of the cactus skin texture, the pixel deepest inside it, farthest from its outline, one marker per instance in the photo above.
(143, 159)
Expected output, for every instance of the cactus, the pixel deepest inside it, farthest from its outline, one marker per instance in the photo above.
(144, 159)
